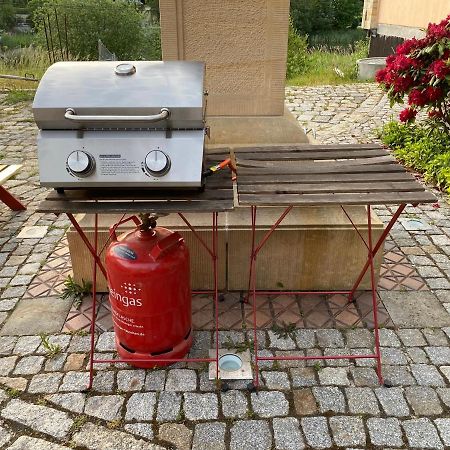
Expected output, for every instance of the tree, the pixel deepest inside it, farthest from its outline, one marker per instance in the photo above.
(117, 23)
(7, 15)
(316, 16)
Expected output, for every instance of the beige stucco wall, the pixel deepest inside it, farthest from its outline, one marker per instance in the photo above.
(412, 13)
(244, 45)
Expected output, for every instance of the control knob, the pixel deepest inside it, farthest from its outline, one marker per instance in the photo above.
(80, 164)
(157, 163)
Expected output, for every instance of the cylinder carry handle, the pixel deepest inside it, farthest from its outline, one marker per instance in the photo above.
(165, 245)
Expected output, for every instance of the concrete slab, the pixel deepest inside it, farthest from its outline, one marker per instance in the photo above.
(415, 309)
(37, 315)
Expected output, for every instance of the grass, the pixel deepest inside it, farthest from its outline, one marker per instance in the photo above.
(18, 96)
(22, 61)
(325, 67)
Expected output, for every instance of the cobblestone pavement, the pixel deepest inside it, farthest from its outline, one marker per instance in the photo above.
(337, 404)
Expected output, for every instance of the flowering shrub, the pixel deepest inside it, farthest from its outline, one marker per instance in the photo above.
(419, 74)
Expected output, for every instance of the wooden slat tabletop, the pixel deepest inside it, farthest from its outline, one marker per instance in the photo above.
(217, 196)
(313, 175)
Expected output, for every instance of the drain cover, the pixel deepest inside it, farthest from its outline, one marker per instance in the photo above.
(232, 365)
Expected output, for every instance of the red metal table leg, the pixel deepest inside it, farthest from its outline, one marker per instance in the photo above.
(9, 200)
(376, 248)
(370, 256)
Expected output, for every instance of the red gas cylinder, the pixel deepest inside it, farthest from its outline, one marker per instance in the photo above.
(150, 295)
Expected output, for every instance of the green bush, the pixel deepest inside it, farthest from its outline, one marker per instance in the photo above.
(297, 53)
(7, 15)
(17, 40)
(423, 149)
(117, 23)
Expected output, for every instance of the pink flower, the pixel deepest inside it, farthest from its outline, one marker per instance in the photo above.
(408, 115)
(435, 114)
(434, 94)
(402, 84)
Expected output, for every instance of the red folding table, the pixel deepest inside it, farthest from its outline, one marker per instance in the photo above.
(321, 175)
(216, 197)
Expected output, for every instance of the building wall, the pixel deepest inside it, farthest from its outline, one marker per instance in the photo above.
(403, 18)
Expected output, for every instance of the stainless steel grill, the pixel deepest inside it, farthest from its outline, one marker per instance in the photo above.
(121, 124)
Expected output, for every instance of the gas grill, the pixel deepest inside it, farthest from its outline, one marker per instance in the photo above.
(121, 124)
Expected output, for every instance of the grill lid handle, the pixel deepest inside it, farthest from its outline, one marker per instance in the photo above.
(72, 115)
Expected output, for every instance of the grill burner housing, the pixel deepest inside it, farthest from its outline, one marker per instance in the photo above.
(121, 124)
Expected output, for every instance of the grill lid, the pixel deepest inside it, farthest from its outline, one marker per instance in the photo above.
(112, 94)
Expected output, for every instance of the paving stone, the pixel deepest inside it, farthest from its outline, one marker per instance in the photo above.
(18, 383)
(73, 402)
(80, 344)
(130, 380)
(74, 382)
(304, 402)
(251, 435)
(5, 436)
(46, 383)
(446, 371)
(329, 398)
(141, 406)
(31, 443)
(305, 338)
(388, 338)
(281, 343)
(106, 342)
(181, 380)
(29, 365)
(303, 377)
(398, 376)
(287, 434)
(201, 406)
(234, 404)
(74, 361)
(330, 338)
(155, 379)
(362, 401)
(34, 232)
(359, 337)
(393, 401)
(7, 344)
(8, 304)
(269, 404)
(7, 364)
(385, 432)
(337, 352)
(443, 426)
(26, 345)
(15, 292)
(423, 400)
(141, 429)
(169, 404)
(435, 337)
(176, 434)
(95, 437)
(39, 418)
(348, 431)
(103, 381)
(427, 375)
(334, 376)
(106, 407)
(314, 362)
(364, 376)
(422, 434)
(414, 309)
(363, 362)
(276, 380)
(393, 356)
(417, 355)
(209, 436)
(316, 432)
(439, 355)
